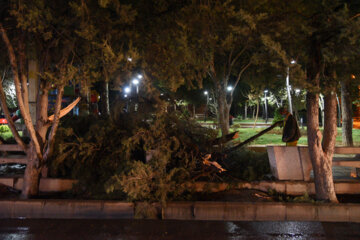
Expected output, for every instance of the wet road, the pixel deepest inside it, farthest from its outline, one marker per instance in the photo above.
(155, 229)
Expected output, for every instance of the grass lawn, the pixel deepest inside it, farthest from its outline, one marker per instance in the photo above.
(274, 136)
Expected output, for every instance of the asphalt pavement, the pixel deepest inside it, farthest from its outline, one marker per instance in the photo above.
(24, 229)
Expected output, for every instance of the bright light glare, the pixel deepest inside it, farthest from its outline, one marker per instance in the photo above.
(129, 59)
(135, 81)
(125, 95)
(293, 61)
(206, 93)
(127, 90)
(297, 90)
(266, 91)
(229, 88)
(139, 76)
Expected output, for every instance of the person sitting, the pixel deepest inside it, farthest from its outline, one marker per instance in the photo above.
(291, 131)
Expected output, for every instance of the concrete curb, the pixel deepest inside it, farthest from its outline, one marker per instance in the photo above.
(66, 209)
(265, 211)
(219, 211)
(46, 184)
(287, 187)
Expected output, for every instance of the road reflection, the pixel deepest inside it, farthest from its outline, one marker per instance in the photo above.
(24, 229)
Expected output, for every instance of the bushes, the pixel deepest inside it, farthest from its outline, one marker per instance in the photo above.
(111, 155)
(176, 145)
(91, 150)
(147, 158)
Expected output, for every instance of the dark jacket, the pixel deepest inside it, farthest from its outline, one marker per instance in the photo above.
(291, 130)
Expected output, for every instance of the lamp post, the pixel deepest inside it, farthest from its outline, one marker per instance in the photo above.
(206, 93)
(288, 87)
(266, 108)
(127, 91)
(136, 81)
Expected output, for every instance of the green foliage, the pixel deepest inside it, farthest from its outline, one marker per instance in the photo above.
(247, 165)
(277, 116)
(145, 210)
(108, 156)
(4, 129)
(305, 198)
(91, 150)
(174, 145)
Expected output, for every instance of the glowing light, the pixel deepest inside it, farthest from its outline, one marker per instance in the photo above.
(127, 90)
(229, 88)
(135, 81)
(206, 93)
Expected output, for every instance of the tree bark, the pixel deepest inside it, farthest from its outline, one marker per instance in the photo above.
(223, 113)
(321, 150)
(32, 174)
(257, 113)
(320, 159)
(346, 112)
(245, 113)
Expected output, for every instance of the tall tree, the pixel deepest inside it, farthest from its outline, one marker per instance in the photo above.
(224, 37)
(320, 35)
(43, 32)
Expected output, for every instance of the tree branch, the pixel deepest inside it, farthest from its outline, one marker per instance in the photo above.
(237, 56)
(22, 61)
(25, 112)
(9, 119)
(55, 123)
(239, 76)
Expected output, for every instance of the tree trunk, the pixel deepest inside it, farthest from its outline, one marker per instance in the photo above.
(32, 174)
(320, 159)
(257, 113)
(104, 97)
(346, 109)
(322, 111)
(223, 113)
(245, 113)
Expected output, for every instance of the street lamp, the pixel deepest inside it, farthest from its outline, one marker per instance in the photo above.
(229, 88)
(266, 108)
(288, 87)
(136, 82)
(127, 89)
(206, 93)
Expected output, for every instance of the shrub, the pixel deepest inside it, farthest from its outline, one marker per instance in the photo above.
(4, 129)
(110, 155)
(91, 150)
(176, 144)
